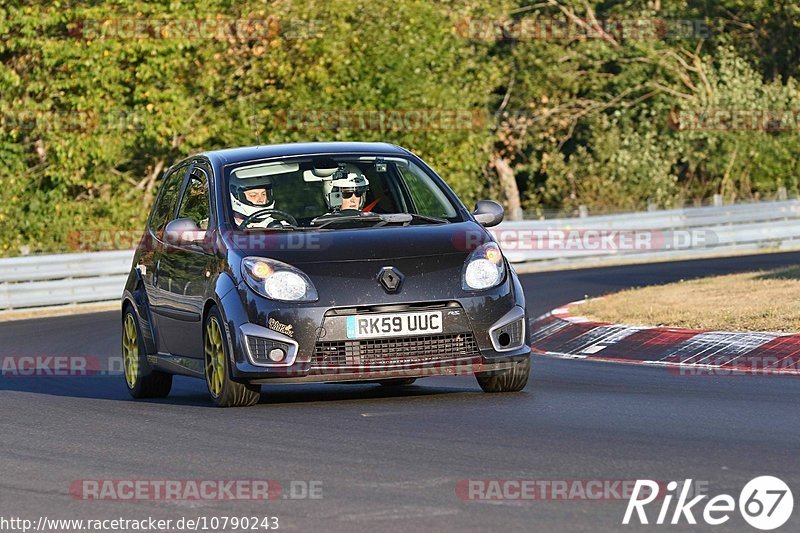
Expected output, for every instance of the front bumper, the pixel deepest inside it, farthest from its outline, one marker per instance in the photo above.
(317, 350)
(456, 351)
(446, 354)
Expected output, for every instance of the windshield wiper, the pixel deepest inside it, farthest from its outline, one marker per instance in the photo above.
(327, 220)
(379, 219)
(290, 227)
(427, 218)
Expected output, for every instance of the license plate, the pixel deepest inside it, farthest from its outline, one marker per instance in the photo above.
(394, 325)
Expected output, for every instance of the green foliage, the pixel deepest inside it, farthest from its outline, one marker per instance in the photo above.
(89, 121)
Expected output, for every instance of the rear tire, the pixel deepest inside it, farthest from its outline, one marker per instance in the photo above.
(397, 382)
(513, 379)
(223, 390)
(141, 379)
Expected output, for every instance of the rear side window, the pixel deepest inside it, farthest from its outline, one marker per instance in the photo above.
(195, 203)
(167, 200)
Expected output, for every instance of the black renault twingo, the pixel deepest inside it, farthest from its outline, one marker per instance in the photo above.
(319, 262)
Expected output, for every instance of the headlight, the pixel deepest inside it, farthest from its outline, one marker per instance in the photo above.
(277, 280)
(484, 268)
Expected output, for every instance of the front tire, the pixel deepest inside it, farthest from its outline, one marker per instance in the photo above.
(224, 391)
(513, 379)
(140, 377)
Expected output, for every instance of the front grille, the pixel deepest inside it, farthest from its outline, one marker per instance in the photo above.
(394, 351)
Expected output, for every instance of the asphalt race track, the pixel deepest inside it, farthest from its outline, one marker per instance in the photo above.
(391, 460)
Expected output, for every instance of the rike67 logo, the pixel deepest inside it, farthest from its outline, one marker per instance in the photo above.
(765, 503)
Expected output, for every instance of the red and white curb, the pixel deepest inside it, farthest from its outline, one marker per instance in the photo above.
(561, 333)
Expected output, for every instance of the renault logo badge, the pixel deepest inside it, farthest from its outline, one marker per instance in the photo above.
(390, 278)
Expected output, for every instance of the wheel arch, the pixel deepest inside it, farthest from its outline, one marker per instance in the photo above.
(137, 300)
(224, 296)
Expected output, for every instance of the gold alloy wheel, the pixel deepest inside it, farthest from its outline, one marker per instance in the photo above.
(215, 357)
(130, 351)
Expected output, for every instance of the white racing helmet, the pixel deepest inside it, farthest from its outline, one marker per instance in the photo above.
(348, 179)
(242, 207)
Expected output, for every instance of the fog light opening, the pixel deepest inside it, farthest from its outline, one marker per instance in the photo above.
(277, 355)
(504, 339)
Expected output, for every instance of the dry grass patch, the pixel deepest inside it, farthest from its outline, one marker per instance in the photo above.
(755, 301)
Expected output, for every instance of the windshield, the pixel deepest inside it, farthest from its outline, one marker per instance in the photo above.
(334, 192)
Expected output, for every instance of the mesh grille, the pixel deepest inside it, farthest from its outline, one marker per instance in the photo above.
(509, 335)
(260, 347)
(394, 351)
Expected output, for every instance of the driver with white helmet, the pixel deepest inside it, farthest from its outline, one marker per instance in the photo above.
(251, 195)
(347, 191)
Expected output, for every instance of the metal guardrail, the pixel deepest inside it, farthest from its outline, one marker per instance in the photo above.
(49, 280)
(673, 233)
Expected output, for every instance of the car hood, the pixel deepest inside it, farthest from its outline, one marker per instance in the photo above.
(361, 244)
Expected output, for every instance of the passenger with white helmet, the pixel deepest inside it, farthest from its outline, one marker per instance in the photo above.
(347, 191)
(251, 195)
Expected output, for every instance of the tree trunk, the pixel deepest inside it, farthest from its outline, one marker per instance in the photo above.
(151, 181)
(508, 188)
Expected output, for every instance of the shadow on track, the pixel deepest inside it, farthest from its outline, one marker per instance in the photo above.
(192, 392)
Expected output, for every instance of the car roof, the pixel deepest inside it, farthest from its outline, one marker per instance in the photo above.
(250, 153)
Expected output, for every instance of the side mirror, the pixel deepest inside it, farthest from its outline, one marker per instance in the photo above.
(184, 231)
(488, 213)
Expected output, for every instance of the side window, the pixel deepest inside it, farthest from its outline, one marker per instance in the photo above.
(195, 203)
(167, 200)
